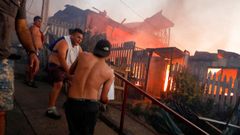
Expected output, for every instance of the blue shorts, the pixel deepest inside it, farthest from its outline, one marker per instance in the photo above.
(6, 84)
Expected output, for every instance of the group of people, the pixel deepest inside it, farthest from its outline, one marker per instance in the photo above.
(85, 72)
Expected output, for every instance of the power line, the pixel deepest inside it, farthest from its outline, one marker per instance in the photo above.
(30, 5)
(150, 24)
(173, 39)
(175, 42)
(131, 9)
(28, 9)
(31, 13)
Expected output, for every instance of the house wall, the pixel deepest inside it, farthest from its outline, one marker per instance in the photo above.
(199, 68)
(156, 76)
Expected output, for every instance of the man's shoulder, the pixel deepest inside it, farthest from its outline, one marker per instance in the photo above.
(85, 56)
(62, 44)
(34, 28)
(84, 53)
(108, 69)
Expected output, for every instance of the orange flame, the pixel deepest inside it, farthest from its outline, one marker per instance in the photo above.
(137, 83)
(166, 78)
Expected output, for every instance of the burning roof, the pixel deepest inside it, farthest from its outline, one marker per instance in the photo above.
(153, 32)
(227, 54)
(199, 55)
(168, 52)
(155, 22)
(204, 56)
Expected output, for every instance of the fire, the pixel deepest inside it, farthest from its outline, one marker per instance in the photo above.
(137, 83)
(214, 70)
(166, 78)
(128, 69)
(220, 56)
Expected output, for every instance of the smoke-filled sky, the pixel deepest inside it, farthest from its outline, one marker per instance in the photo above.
(199, 25)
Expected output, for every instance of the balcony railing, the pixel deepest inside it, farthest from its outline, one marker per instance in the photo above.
(155, 101)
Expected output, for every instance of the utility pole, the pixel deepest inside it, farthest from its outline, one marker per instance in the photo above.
(44, 13)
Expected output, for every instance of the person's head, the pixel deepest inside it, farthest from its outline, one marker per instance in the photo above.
(76, 36)
(37, 20)
(102, 48)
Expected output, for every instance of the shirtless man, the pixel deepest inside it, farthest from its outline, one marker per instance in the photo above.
(64, 53)
(38, 38)
(90, 72)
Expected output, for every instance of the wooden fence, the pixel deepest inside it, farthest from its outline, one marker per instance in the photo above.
(221, 89)
(132, 60)
(139, 68)
(121, 55)
(174, 69)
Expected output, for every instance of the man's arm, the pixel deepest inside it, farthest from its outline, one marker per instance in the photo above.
(25, 38)
(72, 71)
(62, 48)
(34, 33)
(22, 30)
(73, 67)
(24, 35)
(106, 88)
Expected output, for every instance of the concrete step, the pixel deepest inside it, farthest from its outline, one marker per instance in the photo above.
(28, 118)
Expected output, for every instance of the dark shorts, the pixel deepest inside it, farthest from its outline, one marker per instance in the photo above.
(81, 116)
(6, 84)
(55, 73)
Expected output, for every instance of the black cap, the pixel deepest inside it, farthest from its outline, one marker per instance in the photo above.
(102, 48)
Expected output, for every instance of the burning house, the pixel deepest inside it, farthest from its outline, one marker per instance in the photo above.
(219, 73)
(153, 32)
(151, 69)
(200, 62)
(141, 49)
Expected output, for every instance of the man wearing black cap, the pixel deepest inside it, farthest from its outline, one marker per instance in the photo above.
(89, 73)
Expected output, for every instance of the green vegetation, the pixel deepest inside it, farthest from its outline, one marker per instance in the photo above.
(188, 101)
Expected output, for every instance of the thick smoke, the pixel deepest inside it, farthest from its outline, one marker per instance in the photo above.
(203, 25)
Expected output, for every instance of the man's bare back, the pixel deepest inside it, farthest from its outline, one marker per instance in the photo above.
(90, 74)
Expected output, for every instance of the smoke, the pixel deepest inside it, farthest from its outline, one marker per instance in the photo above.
(33, 8)
(144, 40)
(204, 25)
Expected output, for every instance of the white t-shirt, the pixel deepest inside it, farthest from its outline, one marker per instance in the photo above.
(73, 51)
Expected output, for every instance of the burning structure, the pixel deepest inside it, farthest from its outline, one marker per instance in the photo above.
(219, 74)
(140, 49)
(202, 61)
(153, 32)
(151, 69)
